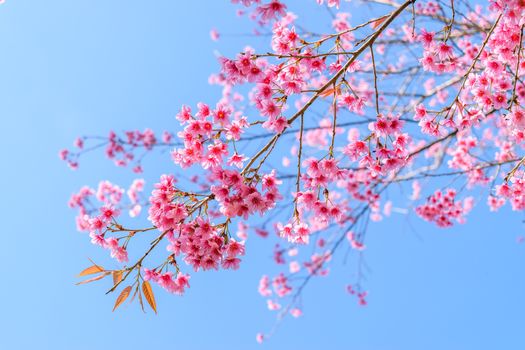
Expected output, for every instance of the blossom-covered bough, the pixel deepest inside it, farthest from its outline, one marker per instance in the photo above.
(421, 92)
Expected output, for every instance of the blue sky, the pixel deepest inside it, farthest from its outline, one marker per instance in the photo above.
(69, 68)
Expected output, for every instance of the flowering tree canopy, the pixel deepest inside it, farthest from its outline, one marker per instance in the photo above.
(308, 139)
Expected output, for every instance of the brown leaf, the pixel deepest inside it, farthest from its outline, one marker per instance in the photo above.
(96, 278)
(377, 23)
(122, 297)
(140, 301)
(134, 294)
(330, 92)
(117, 276)
(148, 294)
(91, 270)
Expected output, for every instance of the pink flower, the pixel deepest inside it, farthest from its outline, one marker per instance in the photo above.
(272, 305)
(214, 34)
(264, 286)
(259, 337)
(231, 263)
(150, 275)
(237, 160)
(166, 281)
(330, 3)
(255, 202)
(426, 37)
(295, 312)
(271, 10)
(294, 267)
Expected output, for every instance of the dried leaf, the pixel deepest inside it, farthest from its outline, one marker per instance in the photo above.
(134, 294)
(122, 297)
(148, 294)
(330, 92)
(140, 301)
(117, 277)
(91, 270)
(377, 23)
(96, 278)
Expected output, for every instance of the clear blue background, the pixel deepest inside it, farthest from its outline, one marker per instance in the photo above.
(69, 68)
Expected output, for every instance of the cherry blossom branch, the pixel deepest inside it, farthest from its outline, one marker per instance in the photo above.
(154, 244)
(331, 81)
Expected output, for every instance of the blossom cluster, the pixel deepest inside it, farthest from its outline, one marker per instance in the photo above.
(442, 207)
(121, 149)
(99, 218)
